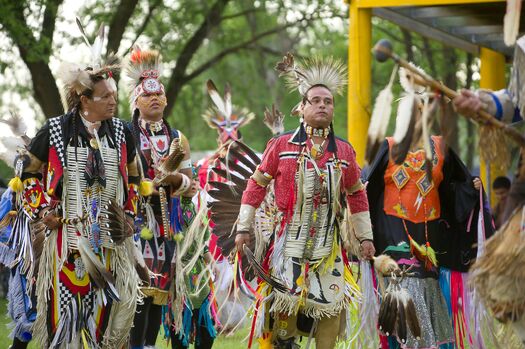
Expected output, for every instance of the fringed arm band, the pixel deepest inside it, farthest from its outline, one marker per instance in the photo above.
(261, 178)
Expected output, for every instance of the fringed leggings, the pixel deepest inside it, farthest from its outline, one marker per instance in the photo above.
(197, 323)
(146, 324)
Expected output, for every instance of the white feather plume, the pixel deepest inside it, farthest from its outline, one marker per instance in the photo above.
(10, 145)
(325, 71)
(382, 111)
(407, 82)
(217, 99)
(404, 115)
(15, 123)
(511, 22)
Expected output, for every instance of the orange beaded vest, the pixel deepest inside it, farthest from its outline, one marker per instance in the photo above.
(409, 193)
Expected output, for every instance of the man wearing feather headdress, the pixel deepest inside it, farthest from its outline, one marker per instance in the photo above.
(425, 204)
(306, 284)
(166, 207)
(87, 285)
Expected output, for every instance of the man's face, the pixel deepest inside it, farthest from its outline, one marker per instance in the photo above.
(103, 103)
(501, 194)
(318, 109)
(151, 106)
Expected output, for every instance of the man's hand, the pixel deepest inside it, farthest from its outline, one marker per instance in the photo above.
(477, 183)
(467, 103)
(367, 249)
(241, 239)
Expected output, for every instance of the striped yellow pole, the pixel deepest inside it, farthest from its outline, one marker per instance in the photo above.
(492, 73)
(359, 78)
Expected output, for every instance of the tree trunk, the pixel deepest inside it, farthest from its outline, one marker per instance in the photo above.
(177, 79)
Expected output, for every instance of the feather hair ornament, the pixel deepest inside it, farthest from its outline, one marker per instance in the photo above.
(77, 79)
(380, 118)
(274, 119)
(511, 22)
(224, 116)
(325, 71)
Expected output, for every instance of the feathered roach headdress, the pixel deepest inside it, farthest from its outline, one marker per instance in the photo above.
(224, 116)
(142, 73)
(77, 79)
(314, 71)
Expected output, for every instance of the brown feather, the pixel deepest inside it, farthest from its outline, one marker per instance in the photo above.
(172, 162)
(249, 152)
(236, 155)
(117, 226)
(225, 196)
(286, 64)
(411, 318)
(221, 207)
(274, 120)
(233, 166)
(401, 325)
(261, 273)
(239, 182)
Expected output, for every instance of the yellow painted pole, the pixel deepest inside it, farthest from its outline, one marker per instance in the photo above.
(492, 73)
(359, 78)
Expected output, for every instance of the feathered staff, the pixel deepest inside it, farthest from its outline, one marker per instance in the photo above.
(383, 50)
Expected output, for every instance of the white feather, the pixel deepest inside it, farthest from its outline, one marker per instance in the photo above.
(404, 115)
(96, 49)
(406, 80)
(511, 22)
(382, 111)
(10, 144)
(216, 98)
(228, 102)
(83, 32)
(16, 124)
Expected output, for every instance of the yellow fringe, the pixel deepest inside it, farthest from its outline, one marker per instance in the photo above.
(146, 233)
(146, 188)
(16, 184)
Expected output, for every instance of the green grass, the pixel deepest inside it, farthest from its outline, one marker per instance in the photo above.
(222, 342)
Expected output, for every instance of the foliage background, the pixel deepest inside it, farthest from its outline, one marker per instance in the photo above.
(235, 41)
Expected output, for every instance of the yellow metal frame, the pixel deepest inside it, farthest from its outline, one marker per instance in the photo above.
(395, 3)
(359, 68)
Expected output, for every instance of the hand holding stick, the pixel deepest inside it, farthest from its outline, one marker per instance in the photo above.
(383, 51)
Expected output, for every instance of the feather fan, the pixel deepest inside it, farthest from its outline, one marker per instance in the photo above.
(117, 227)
